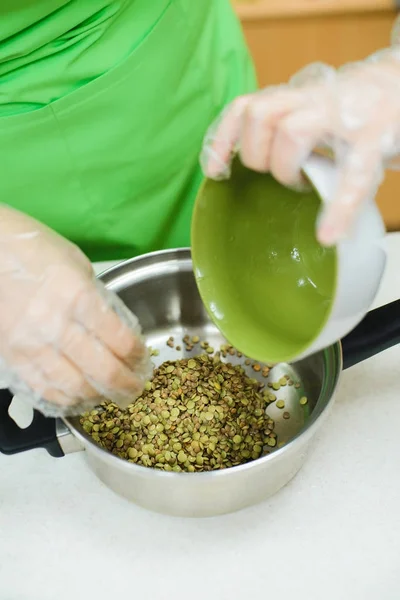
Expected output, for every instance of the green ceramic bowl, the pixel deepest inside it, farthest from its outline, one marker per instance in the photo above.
(266, 282)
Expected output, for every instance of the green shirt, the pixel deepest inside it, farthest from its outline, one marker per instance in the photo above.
(103, 108)
(49, 48)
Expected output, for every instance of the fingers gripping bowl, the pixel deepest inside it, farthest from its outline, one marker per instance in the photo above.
(161, 290)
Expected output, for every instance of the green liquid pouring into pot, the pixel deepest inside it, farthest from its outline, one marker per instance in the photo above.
(273, 291)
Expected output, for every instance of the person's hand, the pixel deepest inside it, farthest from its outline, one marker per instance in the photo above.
(353, 112)
(66, 342)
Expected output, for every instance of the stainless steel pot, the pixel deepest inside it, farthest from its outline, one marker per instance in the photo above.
(161, 290)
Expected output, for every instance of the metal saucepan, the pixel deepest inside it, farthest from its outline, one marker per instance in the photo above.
(160, 289)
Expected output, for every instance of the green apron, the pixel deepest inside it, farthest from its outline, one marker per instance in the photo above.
(100, 132)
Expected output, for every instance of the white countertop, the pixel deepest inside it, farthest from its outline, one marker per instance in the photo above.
(332, 533)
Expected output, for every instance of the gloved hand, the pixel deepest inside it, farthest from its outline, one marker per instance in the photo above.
(65, 341)
(353, 112)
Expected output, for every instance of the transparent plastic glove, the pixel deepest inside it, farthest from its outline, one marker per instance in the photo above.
(65, 341)
(353, 112)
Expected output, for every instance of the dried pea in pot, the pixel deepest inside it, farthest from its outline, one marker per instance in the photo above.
(196, 414)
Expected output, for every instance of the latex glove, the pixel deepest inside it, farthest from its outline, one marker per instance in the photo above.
(65, 341)
(354, 112)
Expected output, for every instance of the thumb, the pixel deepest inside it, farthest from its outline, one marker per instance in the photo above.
(359, 178)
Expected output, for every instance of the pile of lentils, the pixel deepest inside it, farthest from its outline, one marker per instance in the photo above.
(196, 414)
